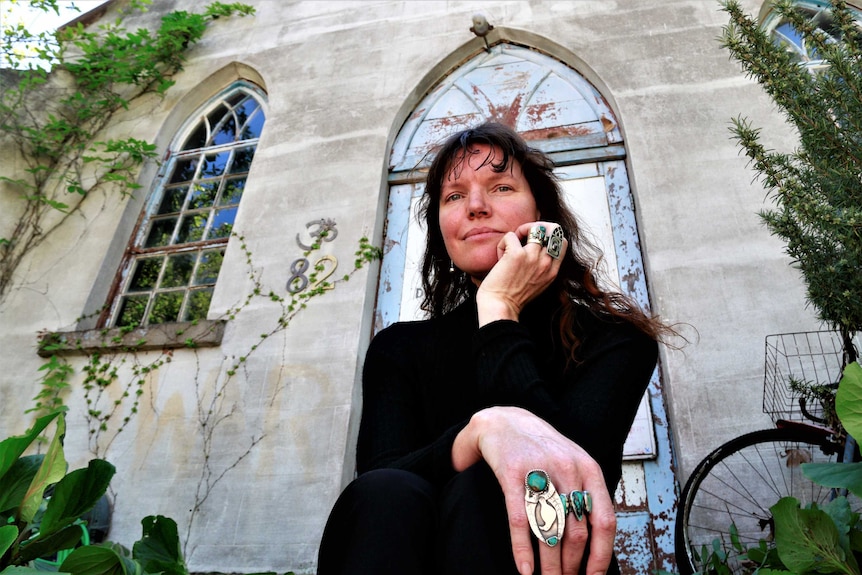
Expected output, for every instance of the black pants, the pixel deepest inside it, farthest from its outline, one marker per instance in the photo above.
(390, 521)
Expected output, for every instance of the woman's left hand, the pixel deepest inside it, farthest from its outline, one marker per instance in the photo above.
(522, 272)
(514, 441)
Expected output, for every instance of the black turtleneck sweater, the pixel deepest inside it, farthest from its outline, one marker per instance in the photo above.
(422, 382)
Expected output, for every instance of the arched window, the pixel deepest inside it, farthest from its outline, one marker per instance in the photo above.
(819, 13)
(177, 250)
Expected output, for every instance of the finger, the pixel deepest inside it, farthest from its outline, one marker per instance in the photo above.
(574, 544)
(550, 559)
(507, 243)
(519, 530)
(603, 527)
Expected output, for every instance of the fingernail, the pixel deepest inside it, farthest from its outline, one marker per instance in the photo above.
(525, 569)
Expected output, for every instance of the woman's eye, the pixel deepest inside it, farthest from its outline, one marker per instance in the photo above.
(504, 188)
(453, 197)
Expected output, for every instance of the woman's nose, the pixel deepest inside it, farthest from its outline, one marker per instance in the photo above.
(477, 204)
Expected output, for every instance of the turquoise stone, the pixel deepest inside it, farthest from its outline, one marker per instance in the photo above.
(552, 541)
(537, 481)
(565, 501)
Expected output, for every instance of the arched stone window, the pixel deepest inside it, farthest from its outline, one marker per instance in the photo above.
(176, 252)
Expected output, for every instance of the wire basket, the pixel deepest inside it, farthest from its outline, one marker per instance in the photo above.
(807, 358)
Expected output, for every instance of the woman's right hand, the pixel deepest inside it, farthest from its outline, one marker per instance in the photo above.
(514, 441)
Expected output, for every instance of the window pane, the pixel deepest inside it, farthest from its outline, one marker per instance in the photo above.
(242, 160)
(217, 114)
(226, 132)
(132, 310)
(166, 307)
(245, 110)
(146, 274)
(160, 232)
(178, 271)
(222, 223)
(184, 170)
(203, 195)
(199, 304)
(208, 267)
(173, 200)
(237, 98)
(232, 192)
(254, 127)
(192, 228)
(214, 165)
(198, 139)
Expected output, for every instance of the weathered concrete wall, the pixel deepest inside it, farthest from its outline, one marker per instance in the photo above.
(341, 78)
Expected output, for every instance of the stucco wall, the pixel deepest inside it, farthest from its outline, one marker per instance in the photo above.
(341, 78)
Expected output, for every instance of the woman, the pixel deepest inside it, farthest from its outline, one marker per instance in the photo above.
(504, 415)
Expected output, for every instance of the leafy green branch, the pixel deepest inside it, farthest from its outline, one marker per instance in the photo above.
(56, 121)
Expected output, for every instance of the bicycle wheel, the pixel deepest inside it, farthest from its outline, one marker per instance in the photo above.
(737, 484)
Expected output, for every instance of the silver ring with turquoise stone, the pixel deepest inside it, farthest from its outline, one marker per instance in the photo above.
(546, 509)
(537, 235)
(578, 504)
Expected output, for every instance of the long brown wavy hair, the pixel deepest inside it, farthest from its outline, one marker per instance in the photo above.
(577, 281)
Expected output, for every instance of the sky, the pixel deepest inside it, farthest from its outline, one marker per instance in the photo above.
(13, 12)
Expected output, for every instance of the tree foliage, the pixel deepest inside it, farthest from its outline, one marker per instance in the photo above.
(56, 121)
(816, 189)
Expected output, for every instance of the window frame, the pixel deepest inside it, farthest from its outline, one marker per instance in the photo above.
(136, 250)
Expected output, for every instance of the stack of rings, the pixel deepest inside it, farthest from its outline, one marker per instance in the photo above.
(546, 509)
(553, 243)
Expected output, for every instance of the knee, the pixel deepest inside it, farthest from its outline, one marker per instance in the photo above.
(385, 487)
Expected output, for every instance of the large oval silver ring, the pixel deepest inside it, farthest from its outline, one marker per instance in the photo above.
(546, 509)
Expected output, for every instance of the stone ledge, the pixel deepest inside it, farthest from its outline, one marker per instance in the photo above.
(204, 333)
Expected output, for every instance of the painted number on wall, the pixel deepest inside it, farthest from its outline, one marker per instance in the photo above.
(322, 230)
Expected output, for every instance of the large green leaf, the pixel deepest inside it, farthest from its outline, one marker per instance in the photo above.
(96, 560)
(76, 494)
(159, 547)
(807, 539)
(848, 399)
(13, 485)
(837, 475)
(13, 447)
(51, 471)
(8, 535)
(46, 546)
(18, 570)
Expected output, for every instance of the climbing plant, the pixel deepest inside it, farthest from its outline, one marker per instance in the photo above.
(53, 123)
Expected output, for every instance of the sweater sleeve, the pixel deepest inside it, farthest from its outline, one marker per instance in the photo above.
(592, 402)
(392, 433)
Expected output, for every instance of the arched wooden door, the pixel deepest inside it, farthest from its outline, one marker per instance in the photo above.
(558, 111)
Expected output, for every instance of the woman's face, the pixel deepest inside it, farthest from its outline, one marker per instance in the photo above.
(479, 205)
